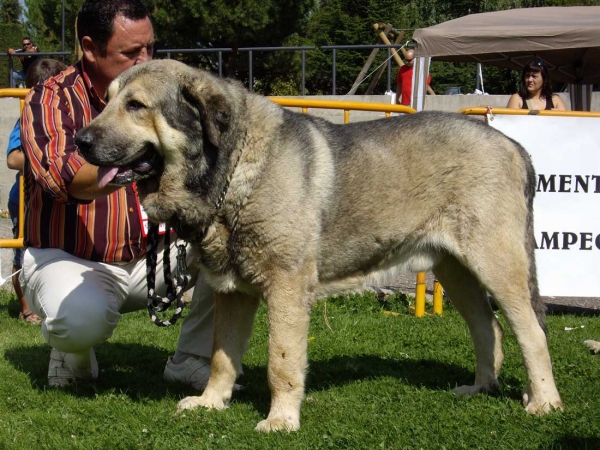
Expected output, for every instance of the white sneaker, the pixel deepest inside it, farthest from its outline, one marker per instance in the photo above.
(193, 371)
(68, 368)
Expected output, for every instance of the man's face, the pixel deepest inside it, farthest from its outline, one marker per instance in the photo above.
(131, 43)
(27, 44)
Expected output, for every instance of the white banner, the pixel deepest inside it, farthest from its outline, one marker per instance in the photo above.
(566, 155)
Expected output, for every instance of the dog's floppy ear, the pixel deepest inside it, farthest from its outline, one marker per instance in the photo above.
(212, 106)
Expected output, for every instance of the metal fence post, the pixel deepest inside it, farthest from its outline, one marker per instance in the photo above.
(389, 70)
(10, 71)
(303, 70)
(333, 71)
(250, 82)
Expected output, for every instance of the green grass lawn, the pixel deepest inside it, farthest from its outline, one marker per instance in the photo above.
(375, 381)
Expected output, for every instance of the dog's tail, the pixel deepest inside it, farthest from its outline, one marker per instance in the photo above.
(539, 307)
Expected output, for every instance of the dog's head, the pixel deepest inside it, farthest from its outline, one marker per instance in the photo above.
(161, 116)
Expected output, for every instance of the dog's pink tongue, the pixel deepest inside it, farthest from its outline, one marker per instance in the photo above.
(106, 174)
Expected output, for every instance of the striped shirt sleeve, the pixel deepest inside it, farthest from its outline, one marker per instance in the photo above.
(48, 135)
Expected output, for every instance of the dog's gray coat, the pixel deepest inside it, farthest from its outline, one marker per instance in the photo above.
(296, 208)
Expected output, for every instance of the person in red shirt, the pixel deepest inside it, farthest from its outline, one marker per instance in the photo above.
(404, 80)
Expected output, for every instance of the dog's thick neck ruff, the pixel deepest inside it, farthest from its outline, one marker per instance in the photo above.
(191, 233)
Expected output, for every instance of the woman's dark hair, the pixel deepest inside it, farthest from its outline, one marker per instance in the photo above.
(42, 69)
(536, 66)
(96, 17)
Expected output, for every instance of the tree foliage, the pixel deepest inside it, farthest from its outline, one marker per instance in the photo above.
(44, 22)
(10, 12)
(339, 22)
(228, 24)
(11, 36)
(235, 24)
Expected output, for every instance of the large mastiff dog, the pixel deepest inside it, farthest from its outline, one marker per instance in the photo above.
(290, 208)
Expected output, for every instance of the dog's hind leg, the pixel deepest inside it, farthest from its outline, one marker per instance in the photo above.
(471, 301)
(234, 317)
(509, 275)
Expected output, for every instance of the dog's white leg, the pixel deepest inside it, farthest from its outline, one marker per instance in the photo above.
(507, 276)
(471, 301)
(541, 395)
(234, 317)
(289, 316)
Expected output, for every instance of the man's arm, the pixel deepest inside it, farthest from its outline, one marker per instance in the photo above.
(15, 160)
(84, 185)
(12, 51)
(48, 140)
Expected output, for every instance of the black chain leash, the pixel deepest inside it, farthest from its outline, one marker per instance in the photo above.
(175, 286)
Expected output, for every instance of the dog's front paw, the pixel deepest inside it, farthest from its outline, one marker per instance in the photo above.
(278, 423)
(206, 401)
(539, 408)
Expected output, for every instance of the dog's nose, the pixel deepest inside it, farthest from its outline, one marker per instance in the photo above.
(84, 140)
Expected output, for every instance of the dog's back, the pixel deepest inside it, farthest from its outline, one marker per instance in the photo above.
(408, 189)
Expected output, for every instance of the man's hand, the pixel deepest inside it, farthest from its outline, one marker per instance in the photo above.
(11, 51)
(84, 185)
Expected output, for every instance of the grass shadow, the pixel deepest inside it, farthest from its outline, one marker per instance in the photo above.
(420, 373)
(574, 442)
(338, 371)
(131, 369)
(136, 370)
(12, 308)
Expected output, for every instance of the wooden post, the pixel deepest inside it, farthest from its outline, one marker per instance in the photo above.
(385, 40)
(379, 73)
(363, 71)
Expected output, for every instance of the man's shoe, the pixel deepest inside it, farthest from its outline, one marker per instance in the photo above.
(68, 368)
(193, 371)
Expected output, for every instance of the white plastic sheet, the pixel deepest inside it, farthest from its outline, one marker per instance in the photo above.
(566, 156)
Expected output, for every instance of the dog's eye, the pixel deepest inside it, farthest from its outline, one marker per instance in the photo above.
(134, 105)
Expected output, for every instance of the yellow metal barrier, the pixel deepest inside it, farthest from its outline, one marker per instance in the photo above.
(438, 296)
(483, 110)
(345, 106)
(18, 242)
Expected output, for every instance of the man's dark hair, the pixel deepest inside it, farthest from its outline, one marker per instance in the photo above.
(96, 18)
(43, 69)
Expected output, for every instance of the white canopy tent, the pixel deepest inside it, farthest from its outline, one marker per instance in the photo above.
(567, 39)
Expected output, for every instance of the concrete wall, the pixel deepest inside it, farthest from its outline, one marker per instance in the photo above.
(9, 111)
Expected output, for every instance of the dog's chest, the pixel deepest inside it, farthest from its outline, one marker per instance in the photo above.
(220, 255)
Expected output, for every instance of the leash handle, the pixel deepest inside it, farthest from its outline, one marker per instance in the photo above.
(175, 287)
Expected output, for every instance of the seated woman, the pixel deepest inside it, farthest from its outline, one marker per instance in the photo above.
(534, 91)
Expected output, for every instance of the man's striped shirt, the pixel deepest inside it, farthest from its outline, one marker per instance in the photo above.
(107, 229)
